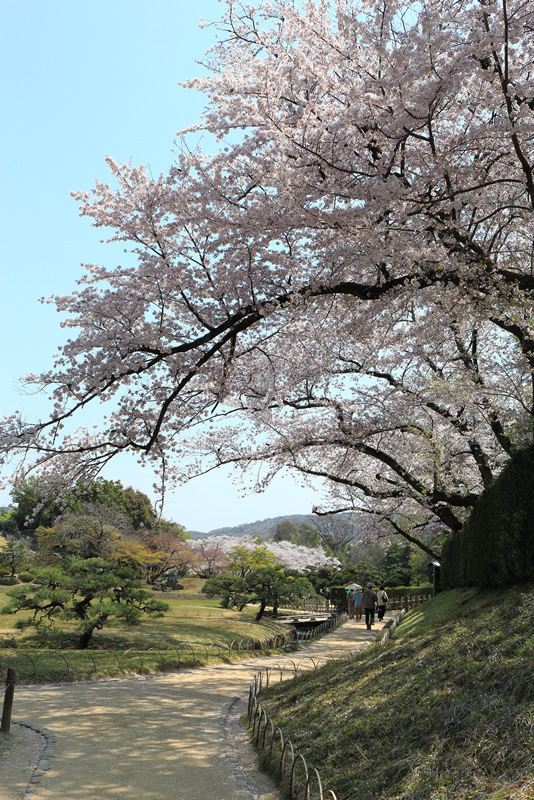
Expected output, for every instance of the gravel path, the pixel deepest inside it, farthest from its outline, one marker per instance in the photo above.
(173, 736)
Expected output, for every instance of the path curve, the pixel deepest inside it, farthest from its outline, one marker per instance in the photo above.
(157, 737)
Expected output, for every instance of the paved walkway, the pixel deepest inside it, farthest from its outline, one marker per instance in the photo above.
(156, 737)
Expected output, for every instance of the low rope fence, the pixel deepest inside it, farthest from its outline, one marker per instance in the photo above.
(291, 767)
(54, 666)
(270, 739)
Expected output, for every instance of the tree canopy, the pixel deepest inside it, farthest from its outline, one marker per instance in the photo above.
(214, 553)
(267, 585)
(304, 534)
(91, 592)
(36, 506)
(344, 288)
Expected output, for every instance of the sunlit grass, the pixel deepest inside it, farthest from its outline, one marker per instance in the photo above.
(443, 712)
(195, 631)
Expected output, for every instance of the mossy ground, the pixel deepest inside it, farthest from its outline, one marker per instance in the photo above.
(442, 712)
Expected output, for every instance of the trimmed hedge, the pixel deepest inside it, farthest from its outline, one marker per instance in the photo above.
(496, 545)
(338, 598)
(401, 592)
(8, 580)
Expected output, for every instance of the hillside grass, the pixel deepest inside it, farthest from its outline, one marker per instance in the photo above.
(444, 711)
(195, 631)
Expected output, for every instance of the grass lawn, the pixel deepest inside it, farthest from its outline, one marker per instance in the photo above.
(445, 711)
(194, 630)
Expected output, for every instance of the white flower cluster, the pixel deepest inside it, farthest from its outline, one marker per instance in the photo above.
(290, 555)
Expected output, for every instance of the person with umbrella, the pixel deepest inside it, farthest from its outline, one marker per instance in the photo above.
(352, 600)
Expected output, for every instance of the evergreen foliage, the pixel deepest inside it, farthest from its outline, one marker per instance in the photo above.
(496, 545)
(92, 592)
(34, 506)
(267, 585)
(338, 598)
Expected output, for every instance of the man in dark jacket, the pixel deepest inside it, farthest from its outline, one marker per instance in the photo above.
(370, 600)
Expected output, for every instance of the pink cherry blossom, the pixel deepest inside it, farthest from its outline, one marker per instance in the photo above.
(344, 288)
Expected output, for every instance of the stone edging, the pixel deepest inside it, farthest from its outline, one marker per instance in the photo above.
(236, 747)
(243, 792)
(43, 765)
(230, 756)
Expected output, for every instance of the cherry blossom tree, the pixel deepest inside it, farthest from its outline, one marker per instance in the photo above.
(349, 276)
(217, 552)
(209, 556)
(406, 429)
(299, 558)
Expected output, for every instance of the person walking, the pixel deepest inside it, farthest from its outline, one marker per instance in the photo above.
(370, 600)
(381, 603)
(358, 596)
(350, 603)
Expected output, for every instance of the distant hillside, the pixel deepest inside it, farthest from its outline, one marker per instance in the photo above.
(264, 527)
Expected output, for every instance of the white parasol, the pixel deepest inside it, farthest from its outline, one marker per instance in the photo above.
(355, 586)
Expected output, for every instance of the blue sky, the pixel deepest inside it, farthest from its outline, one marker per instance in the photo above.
(82, 81)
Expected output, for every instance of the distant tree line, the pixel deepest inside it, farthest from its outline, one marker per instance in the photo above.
(394, 562)
(94, 550)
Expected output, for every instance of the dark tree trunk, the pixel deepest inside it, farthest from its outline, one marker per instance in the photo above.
(80, 608)
(85, 638)
(260, 613)
(98, 624)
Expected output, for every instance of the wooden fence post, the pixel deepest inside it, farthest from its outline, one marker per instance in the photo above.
(8, 700)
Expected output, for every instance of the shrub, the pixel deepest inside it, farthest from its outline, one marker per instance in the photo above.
(399, 592)
(338, 598)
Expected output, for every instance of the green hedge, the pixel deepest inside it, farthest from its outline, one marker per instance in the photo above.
(7, 580)
(338, 598)
(496, 545)
(400, 592)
